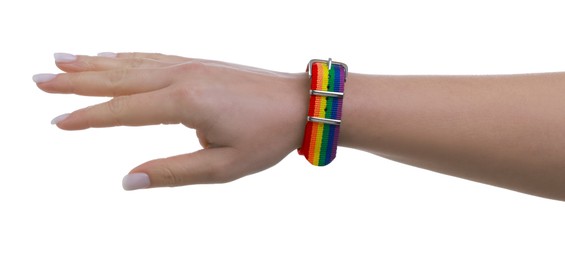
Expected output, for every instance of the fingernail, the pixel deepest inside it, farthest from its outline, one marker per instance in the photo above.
(64, 57)
(134, 181)
(108, 54)
(40, 78)
(58, 119)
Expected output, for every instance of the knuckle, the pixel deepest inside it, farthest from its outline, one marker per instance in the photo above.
(89, 64)
(135, 62)
(115, 79)
(135, 55)
(116, 107)
(86, 114)
(189, 89)
(71, 81)
(169, 178)
(189, 99)
(153, 56)
(191, 67)
(182, 96)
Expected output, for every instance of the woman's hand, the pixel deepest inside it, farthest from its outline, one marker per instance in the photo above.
(246, 119)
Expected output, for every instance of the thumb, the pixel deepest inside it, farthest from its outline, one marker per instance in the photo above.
(213, 165)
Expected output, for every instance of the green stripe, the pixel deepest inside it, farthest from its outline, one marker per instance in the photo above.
(324, 153)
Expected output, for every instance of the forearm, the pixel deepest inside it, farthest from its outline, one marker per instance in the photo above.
(507, 131)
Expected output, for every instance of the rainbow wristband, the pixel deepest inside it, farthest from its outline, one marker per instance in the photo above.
(324, 113)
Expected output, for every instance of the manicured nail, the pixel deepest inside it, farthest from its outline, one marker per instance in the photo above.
(40, 78)
(108, 54)
(64, 57)
(134, 181)
(60, 118)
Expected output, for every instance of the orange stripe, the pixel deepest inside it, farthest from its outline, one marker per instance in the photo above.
(315, 139)
(319, 112)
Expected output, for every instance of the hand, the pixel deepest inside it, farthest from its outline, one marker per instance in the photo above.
(246, 119)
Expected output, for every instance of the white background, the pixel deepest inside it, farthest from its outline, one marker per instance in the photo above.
(61, 195)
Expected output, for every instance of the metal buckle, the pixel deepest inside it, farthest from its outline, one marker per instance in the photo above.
(323, 120)
(322, 93)
(326, 93)
(330, 62)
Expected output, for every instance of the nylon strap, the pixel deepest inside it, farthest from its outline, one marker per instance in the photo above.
(319, 145)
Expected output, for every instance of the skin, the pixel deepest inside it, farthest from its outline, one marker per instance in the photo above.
(507, 130)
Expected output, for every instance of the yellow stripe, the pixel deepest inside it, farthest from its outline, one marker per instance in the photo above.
(321, 113)
(315, 126)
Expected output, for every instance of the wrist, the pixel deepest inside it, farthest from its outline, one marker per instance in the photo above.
(356, 110)
(297, 106)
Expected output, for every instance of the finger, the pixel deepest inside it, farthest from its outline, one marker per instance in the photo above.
(177, 59)
(149, 108)
(106, 83)
(153, 56)
(93, 63)
(214, 165)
